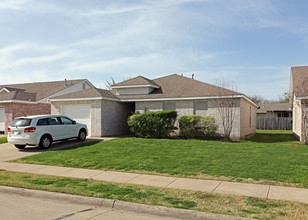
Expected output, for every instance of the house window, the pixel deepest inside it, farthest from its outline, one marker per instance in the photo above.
(169, 106)
(283, 115)
(200, 108)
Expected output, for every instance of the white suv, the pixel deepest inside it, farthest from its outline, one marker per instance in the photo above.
(42, 130)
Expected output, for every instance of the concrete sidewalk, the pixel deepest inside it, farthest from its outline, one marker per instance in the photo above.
(255, 190)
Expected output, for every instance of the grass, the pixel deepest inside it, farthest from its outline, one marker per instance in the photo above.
(272, 157)
(3, 140)
(208, 202)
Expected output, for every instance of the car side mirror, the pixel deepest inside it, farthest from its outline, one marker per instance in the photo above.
(74, 122)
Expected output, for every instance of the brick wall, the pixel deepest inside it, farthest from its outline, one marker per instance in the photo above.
(13, 110)
(248, 119)
(187, 108)
(114, 117)
(297, 119)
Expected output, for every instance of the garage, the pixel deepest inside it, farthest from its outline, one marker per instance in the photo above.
(80, 113)
(2, 121)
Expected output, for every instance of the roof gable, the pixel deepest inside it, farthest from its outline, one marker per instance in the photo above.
(136, 81)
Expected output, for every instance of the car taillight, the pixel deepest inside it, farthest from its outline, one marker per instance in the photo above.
(9, 130)
(30, 129)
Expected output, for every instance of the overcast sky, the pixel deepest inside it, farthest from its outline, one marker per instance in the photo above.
(252, 42)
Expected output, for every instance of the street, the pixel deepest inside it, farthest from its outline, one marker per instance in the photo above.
(14, 207)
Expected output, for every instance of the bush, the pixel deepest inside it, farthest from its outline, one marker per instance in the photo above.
(189, 125)
(153, 124)
(192, 126)
(208, 126)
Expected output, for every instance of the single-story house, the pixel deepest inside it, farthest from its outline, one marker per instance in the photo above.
(274, 116)
(106, 111)
(33, 98)
(280, 110)
(299, 101)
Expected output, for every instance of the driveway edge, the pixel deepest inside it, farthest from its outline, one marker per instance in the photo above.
(119, 205)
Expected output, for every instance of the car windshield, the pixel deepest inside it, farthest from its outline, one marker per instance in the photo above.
(21, 122)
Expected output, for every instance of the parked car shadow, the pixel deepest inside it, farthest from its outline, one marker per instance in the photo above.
(62, 145)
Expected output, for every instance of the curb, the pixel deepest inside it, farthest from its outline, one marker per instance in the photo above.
(119, 205)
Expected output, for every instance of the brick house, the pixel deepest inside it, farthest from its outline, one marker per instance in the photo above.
(299, 101)
(33, 98)
(106, 111)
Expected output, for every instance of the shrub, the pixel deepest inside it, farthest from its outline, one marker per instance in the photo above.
(189, 125)
(192, 126)
(153, 124)
(208, 126)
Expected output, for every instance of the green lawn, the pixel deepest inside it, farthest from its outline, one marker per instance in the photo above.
(185, 199)
(268, 157)
(3, 140)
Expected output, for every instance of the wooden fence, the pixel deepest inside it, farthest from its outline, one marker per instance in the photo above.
(274, 123)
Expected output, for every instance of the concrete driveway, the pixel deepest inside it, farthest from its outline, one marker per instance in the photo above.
(10, 152)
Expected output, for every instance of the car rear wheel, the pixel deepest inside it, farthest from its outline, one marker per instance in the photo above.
(45, 142)
(82, 135)
(20, 146)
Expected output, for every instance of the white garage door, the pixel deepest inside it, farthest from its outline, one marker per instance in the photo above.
(2, 120)
(80, 113)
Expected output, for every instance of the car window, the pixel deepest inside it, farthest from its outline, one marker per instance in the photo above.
(21, 122)
(42, 122)
(66, 121)
(53, 121)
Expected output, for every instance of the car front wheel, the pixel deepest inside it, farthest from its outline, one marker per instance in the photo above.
(20, 146)
(82, 135)
(45, 142)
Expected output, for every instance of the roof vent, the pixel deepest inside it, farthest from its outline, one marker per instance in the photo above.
(192, 76)
(65, 83)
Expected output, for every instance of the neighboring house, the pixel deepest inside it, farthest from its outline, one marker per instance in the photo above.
(106, 111)
(280, 110)
(33, 98)
(274, 116)
(299, 101)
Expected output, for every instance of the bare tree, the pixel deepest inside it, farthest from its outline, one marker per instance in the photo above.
(226, 104)
(110, 83)
(257, 99)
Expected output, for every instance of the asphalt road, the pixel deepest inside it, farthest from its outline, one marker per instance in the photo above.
(14, 206)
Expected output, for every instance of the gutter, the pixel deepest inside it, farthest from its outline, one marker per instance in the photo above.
(155, 99)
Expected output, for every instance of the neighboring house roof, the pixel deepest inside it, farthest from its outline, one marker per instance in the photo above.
(34, 91)
(298, 82)
(139, 80)
(273, 107)
(88, 93)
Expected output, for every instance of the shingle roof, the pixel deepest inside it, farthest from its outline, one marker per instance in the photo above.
(176, 86)
(88, 93)
(271, 107)
(299, 80)
(139, 80)
(35, 91)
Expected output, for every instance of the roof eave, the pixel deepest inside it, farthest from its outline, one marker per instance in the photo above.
(83, 99)
(17, 101)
